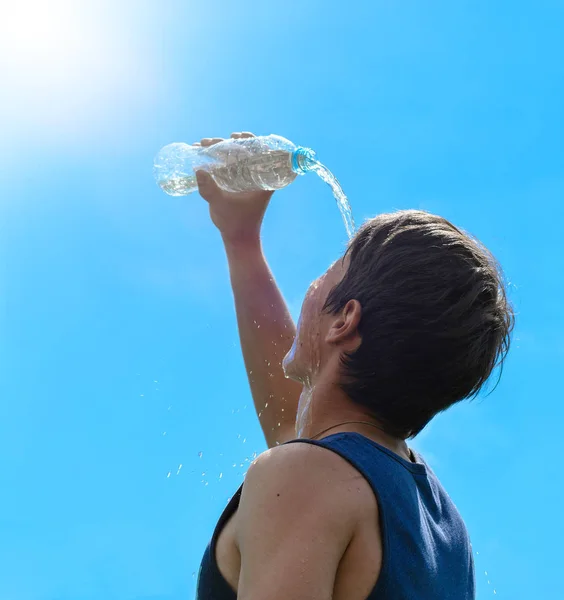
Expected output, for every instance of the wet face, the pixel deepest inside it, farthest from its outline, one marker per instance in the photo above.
(303, 361)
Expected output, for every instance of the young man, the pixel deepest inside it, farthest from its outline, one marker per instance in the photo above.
(412, 319)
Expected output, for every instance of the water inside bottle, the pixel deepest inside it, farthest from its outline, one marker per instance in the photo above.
(179, 186)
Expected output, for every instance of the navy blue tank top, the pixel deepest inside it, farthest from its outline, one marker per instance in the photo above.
(426, 548)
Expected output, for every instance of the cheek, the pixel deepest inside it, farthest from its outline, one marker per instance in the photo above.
(303, 356)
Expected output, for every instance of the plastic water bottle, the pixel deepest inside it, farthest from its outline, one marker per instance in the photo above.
(237, 165)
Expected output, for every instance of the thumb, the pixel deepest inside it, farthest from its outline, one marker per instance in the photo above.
(206, 185)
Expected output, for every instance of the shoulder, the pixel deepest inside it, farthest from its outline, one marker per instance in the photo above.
(301, 465)
(296, 519)
(300, 479)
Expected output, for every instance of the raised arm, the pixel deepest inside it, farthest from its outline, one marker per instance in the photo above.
(266, 329)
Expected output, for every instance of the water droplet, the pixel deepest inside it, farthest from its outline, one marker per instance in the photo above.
(266, 405)
(168, 475)
(204, 474)
(244, 440)
(200, 454)
(254, 455)
(238, 436)
(206, 483)
(141, 395)
(241, 465)
(220, 475)
(234, 464)
(179, 468)
(164, 432)
(155, 381)
(486, 573)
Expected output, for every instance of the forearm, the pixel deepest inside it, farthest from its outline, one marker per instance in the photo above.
(266, 331)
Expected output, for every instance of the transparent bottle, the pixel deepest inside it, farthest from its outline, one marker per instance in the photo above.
(266, 162)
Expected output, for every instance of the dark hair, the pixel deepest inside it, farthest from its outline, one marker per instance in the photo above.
(435, 318)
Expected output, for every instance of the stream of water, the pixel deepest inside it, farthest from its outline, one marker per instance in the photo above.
(342, 201)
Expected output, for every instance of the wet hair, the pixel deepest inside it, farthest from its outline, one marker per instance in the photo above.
(435, 321)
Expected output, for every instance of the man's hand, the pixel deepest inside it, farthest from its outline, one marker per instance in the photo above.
(238, 216)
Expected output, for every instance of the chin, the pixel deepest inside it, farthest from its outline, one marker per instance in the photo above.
(295, 369)
(288, 365)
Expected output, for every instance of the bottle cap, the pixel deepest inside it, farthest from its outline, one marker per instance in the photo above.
(303, 160)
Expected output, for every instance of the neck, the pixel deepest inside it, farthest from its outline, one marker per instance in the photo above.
(324, 409)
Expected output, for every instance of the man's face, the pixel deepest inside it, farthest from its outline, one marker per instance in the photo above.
(309, 350)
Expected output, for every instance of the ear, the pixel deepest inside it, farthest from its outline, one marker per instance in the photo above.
(344, 328)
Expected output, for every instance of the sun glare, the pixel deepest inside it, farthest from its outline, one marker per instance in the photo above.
(37, 30)
(65, 64)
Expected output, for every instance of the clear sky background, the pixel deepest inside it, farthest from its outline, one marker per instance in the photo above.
(119, 357)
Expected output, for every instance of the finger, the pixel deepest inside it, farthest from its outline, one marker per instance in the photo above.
(206, 185)
(210, 141)
(247, 134)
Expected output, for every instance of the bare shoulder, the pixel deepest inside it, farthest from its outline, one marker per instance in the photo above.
(304, 478)
(299, 462)
(299, 525)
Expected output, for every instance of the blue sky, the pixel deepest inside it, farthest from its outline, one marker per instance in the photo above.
(119, 356)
